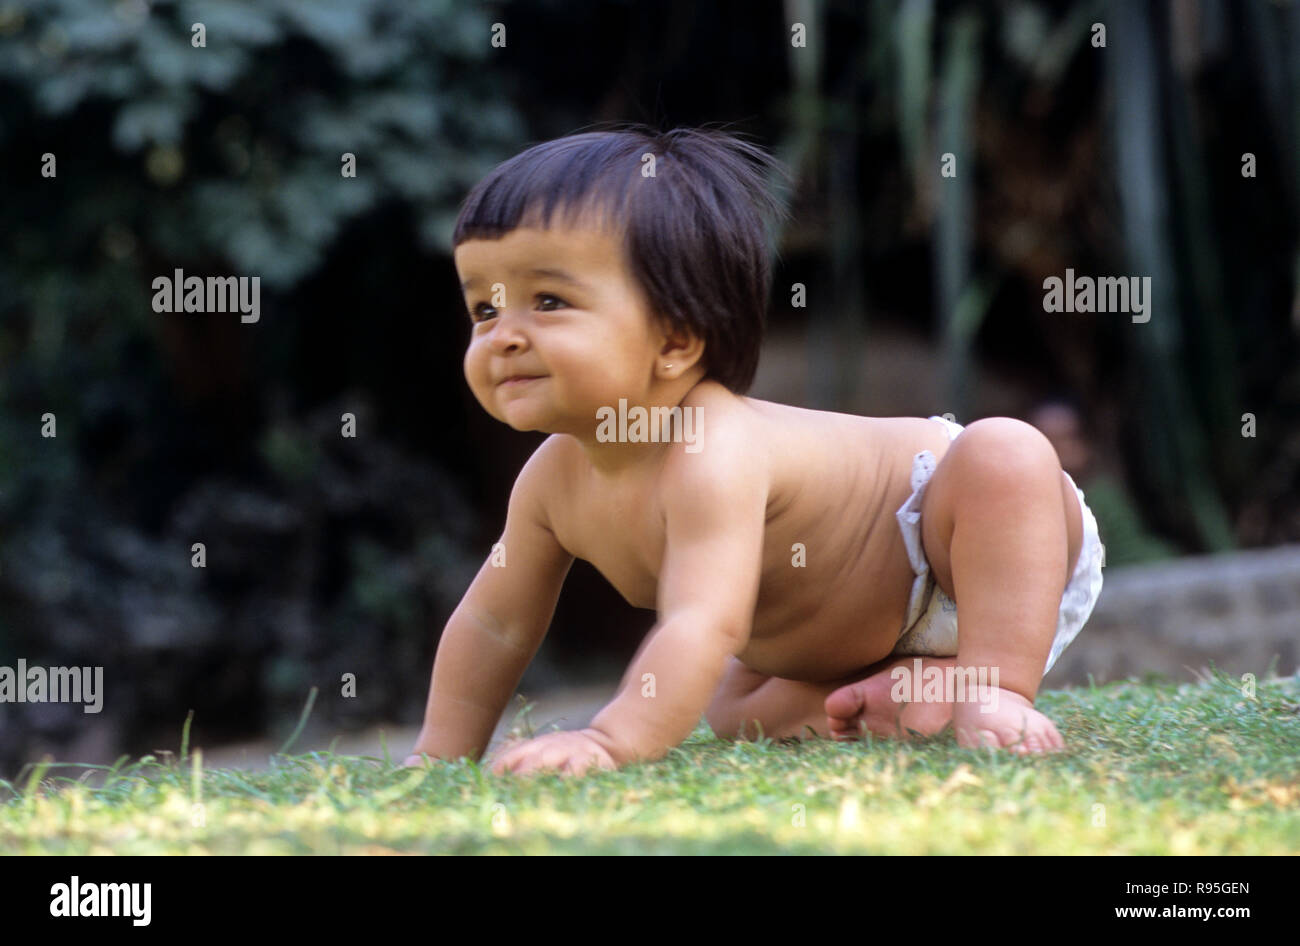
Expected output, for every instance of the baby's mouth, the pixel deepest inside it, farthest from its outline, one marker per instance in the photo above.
(519, 380)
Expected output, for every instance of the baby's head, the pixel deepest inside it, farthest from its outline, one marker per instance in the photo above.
(616, 264)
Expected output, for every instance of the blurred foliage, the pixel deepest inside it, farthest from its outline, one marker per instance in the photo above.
(240, 140)
(1126, 539)
(222, 158)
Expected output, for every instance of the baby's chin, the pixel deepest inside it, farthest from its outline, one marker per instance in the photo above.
(545, 422)
(525, 418)
(542, 415)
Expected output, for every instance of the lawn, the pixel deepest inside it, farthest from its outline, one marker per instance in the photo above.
(1152, 768)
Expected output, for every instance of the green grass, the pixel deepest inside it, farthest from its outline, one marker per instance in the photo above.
(1178, 769)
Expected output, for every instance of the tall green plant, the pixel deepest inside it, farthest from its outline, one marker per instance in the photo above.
(1174, 437)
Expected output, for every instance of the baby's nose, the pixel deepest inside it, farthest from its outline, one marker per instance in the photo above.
(506, 336)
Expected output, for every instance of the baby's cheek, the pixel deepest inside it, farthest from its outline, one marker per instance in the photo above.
(582, 387)
(475, 368)
(614, 377)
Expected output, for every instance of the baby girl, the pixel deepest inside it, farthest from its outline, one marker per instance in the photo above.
(807, 568)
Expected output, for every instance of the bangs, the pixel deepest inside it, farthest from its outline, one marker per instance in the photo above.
(583, 180)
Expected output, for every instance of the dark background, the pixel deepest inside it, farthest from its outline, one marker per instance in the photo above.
(328, 555)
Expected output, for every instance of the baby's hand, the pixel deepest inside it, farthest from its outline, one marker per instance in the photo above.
(573, 753)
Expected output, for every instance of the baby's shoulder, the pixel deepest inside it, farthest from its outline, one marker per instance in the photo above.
(545, 473)
(726, 450)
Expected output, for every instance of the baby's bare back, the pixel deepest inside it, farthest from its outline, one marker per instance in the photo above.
(835, 575)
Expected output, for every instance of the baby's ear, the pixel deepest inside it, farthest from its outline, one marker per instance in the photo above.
(681, 349)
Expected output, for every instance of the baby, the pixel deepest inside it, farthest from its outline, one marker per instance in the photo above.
(806, 567)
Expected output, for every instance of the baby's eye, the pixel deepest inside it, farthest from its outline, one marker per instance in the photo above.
(477, 313)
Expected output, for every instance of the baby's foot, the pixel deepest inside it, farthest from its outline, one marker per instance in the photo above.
(1005, 720)
(870, 703)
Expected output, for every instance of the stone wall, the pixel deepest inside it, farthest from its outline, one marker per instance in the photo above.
(1240, 610)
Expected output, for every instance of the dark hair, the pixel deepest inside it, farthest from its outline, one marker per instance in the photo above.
(697, 235)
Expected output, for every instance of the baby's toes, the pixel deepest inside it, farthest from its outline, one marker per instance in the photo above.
(847, 703)
(844, 710)
(1044, 737)
(1039, 737)
(1030, 745)
(981, 738)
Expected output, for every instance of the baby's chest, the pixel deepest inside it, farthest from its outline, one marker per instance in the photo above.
(622, 542)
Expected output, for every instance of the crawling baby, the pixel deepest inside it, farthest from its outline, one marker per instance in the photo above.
(807, 568)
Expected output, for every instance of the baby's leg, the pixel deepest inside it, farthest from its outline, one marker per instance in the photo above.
(1002, 529)
(838, 709)
(747, 704)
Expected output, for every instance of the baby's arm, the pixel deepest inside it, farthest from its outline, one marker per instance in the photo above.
(715, 504)
(496, 629)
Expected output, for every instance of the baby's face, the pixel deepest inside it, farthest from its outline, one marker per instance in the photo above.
(560, 328)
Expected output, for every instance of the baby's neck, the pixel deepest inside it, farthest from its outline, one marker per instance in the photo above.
(632, 437)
